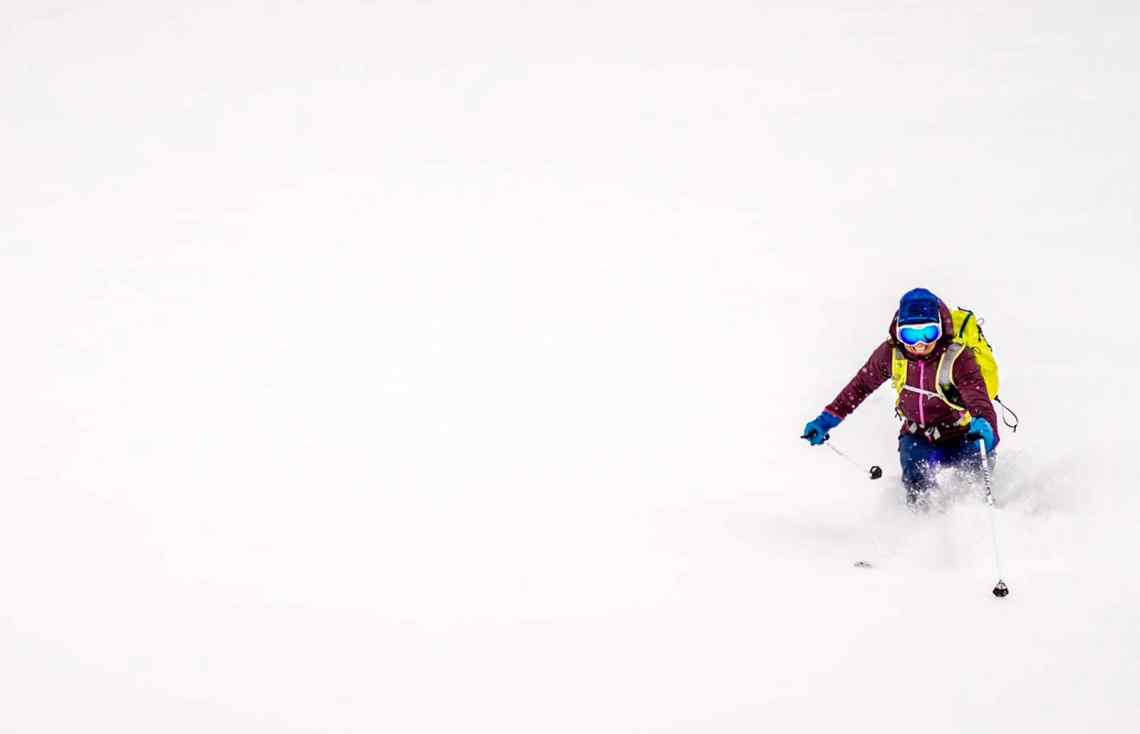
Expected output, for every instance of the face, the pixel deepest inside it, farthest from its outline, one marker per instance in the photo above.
(924, 336)
(920, 349)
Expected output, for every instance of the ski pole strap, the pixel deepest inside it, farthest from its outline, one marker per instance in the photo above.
(1004, 419)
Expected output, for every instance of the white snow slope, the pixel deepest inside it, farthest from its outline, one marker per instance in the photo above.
(440, 367)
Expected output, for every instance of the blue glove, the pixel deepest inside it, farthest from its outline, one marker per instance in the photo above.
(981, 428)
(816, 432)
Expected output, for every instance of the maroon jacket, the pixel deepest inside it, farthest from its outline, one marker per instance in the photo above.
(922, 413)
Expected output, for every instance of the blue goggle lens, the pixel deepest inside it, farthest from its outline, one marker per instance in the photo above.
(914, 334)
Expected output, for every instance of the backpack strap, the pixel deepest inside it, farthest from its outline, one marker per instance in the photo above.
(898, 378)
(920, 391)
(945, 382)
(965, 321)
(898, 369)
(947, 391)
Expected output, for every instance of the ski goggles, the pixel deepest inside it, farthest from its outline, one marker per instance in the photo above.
(919, 334)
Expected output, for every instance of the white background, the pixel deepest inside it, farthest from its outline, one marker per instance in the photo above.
(440, 367)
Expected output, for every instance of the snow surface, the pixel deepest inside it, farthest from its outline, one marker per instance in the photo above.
(440, 367)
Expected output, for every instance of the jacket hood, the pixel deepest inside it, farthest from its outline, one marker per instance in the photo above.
(943, 342)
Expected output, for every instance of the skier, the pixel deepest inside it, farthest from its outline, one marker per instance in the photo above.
(935, 433)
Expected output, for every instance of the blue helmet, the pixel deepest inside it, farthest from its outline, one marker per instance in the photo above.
(919, 306)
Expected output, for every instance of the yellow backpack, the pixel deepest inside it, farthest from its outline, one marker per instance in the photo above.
(967, 335)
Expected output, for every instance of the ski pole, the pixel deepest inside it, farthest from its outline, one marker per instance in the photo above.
(875, 472)
(1000, 589)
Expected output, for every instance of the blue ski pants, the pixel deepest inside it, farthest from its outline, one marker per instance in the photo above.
(921, 460)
